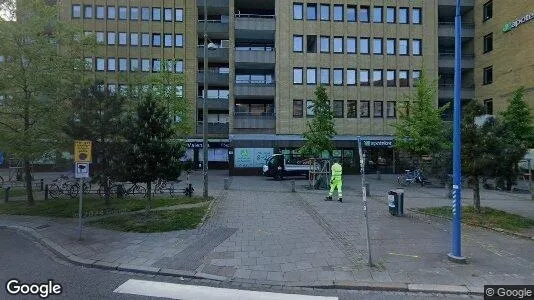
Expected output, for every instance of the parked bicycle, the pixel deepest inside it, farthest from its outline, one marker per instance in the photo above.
(411, 177)
(62, 186)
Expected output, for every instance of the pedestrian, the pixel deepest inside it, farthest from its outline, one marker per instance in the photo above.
(336, 182)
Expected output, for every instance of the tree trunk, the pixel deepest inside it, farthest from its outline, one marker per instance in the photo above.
(28, 178)
(107, 191)
(149, 196)
(476, 194)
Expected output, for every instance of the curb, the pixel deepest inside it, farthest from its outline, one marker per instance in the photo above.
(375, 286)
(517, 234)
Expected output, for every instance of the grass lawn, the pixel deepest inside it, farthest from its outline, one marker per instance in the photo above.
(16, 192)
(68, 208)
(156, 221)
(489, 217)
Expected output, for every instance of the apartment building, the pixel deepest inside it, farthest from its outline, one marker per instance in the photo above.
(270, 56)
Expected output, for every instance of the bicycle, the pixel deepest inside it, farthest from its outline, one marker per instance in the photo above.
(159, 186)
(75, 188)
(411, 177)
(135, 189)
(61, 186)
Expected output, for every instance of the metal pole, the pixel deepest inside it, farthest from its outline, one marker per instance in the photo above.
(530, 180)
(456, 253)
(80, 211)
(364, 195)
(204, 106)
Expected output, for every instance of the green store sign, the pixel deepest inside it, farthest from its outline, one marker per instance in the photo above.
(509, 26)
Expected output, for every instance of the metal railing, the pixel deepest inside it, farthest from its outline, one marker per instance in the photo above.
(266, 82)
(465, 25)
(451, 85)
(253, 114)
(451, 55)
(241, 48)
(217, 21)
(239, 15)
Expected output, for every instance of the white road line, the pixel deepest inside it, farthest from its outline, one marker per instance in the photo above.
(192, 292)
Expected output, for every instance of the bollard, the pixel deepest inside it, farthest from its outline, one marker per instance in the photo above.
(46, 192)
(226, 183)
(367, 189)
(378, 174)
(42, 184)
(6, 199)
(292, 186)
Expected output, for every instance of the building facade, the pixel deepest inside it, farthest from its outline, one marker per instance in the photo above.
(270, 56)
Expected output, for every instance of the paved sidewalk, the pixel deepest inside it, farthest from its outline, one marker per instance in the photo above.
(260, 232)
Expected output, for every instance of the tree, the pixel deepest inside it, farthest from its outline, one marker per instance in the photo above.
(41, 62)
(98, 116)
(321, 129)
(420, 130)
(153, 150)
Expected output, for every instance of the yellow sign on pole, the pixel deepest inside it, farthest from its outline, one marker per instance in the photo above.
(82, 151)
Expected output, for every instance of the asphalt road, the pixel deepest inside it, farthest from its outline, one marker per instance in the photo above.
(29, 262)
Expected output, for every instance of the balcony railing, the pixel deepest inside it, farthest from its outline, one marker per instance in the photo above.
(213, 128)
(451, 55)
(246, 120)
(258, 16)
(241, 48)
(465, 25)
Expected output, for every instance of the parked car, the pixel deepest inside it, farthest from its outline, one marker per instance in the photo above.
(279, 167)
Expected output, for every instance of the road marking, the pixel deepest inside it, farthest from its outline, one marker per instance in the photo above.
(192, 292)
(407, 255)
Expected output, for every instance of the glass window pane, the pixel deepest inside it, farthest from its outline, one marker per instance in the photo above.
(297, 75)
(122, 13)
(311, 76)
(364, 14)
(338, 76)
(325, 12)
(310, 111)
(403, 15)
(179, 40)
(351, 13)
(156, 14)
(325, 76)
(391, 14)
(416, 15)
(377, 14)
(111, 13)
(325, 44)
(311, 11)
(351, 45)
(351, 77)
(100, 12)
(297, 43)
(364, 45)
(364, 77)
(377, 46)
(391, 46)
(297, 11)
(179, 14)
(338, 45)
(134, 13)
(76, 11)
(338, 12)
(145, 13)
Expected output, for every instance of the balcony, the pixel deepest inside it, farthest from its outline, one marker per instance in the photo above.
(254, 121)
(213, 103)
(446, 61)
(254, 90)
(255, 57)
(215, 28)
(255, 27)
(213, 78)
(213, 128)
(446, 91)
(446, 29)
(214, 6)
(219, 55)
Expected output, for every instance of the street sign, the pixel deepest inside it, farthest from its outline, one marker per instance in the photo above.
(82, 170)
(82, 151)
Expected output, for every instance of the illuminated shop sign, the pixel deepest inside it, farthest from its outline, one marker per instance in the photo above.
(516, 23)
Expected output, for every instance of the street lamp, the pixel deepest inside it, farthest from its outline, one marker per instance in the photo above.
(211, 46)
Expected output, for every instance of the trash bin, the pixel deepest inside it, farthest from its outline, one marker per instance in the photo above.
(396, 202)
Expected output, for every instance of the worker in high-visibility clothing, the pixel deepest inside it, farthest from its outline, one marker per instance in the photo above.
(336, 182)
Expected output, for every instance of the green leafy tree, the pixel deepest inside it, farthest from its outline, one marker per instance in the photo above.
(41, 62)
(321, 129)
(420, 130)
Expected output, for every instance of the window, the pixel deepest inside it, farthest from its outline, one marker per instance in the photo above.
(76, 11)
(352, 109)
(325, 44)
(311, 11)
(351, 13)
(390, 46)
(403, 78)
(310, 108)
(351, 76)
(145, 13)
(351, 45)
(156, 14)
(145, 65)
(134, 39)
(364, 45)
(123, 41)
(297, 109)
(378, 109)
(100, 37)
(488, 10)
(488, 106)
(403, 46)
(377, 78)
(416, 74)
(338, 76)
(297, 43)
(111, 38)
(123, 64)
(111, 64)
(179, 15)
(179, 40)
(338, 108)
(88, 63)
(100, 64)
(179, 66)
(325, 12)
(364, 109)
(167, 14)
(377, 14)
(112, 88)
(416, 15)
(134, 64)
(403, 15)
(297, 75)
(134, 13)
(390, 14)
(156, 39)
(123, 13)
(88, 11)
(145, 39)
(311, 44)
(488, 43)
(488, 75)
(338, 13)
(391, 77)
(311, 76)
(391, 109)
(377, 46)
(338, 44)
(169, 65)
(156, 65)
(167, 40)
(364, 14)
(111, 13)
(100, 10)
(364, 77)
(416, 47)
(297, 11)
(325, 76)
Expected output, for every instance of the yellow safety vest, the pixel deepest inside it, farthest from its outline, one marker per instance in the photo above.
(337, 171)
